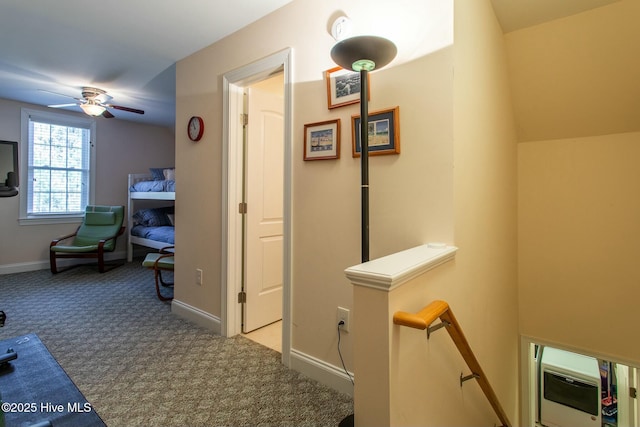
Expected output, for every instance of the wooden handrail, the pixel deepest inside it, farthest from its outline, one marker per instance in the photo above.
(440, 309)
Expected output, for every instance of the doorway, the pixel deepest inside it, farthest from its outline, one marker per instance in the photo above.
(263, 209)
(562, 387)
(235, 84)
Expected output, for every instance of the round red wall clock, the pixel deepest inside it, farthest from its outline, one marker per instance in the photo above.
(195, 128)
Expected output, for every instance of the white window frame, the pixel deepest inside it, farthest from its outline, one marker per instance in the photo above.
(65, 120)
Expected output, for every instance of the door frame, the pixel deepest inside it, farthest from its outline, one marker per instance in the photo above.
(233, 84)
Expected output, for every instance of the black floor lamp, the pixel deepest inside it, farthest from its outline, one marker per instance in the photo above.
(363, 54)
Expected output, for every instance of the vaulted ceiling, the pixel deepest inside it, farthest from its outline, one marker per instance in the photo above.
(129, 48)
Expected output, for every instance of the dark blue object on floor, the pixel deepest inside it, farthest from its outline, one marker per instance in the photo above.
(35, 389)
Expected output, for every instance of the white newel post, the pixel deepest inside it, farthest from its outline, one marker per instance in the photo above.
(377, 286)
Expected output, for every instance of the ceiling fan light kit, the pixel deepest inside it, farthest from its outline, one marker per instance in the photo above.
(94, 103)
(92, 109)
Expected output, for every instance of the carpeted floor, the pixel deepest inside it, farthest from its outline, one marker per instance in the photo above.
(140, 365)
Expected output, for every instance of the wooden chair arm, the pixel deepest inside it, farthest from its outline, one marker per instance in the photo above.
(167, 255)
(103, 241)
(166, 250)
(59, 239)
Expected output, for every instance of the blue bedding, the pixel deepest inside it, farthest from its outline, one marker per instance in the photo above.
(160, 234)
(157, 186)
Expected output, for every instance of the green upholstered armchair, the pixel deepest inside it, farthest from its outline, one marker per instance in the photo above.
(96, 235)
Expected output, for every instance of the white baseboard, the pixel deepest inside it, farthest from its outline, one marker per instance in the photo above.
(321, 371)
(23, 267)
(197, 316)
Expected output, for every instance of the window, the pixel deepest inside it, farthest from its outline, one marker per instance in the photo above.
(58, 166)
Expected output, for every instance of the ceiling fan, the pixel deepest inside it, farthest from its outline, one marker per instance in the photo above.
(94, 102)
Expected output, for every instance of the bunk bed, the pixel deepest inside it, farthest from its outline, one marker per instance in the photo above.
(150, 210)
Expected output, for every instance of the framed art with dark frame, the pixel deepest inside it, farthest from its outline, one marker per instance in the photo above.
(384, 132)
(322, 140)
(343, 87)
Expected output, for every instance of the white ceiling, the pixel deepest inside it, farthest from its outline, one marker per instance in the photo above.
(129, 48)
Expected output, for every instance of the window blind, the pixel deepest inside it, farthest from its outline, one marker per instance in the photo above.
(58, 166)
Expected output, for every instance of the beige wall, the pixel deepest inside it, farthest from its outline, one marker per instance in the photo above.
(403, 379)
(576, 96)
(577, 76)
(485, 299)
(410, 197)
(578, 231)
(411, 194)
(481, 284)
(454, 181)
(122, 147)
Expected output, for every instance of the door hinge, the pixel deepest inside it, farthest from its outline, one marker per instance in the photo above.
(242, 207)
(244, 119)
(633, 392)
(242, 297)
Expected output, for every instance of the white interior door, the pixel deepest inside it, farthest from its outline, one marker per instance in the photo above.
(264, 198)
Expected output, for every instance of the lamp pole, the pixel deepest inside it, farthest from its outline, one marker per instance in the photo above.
(364, 162)
(363, 54)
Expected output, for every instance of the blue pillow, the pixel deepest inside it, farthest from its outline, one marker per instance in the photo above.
(155, 217)
(157, 173)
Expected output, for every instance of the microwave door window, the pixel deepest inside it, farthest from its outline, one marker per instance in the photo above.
(571, 392)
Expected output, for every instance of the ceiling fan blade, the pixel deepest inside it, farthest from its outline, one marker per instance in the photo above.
(119, 107)
(60, 94)
(62, 105)
(107, 115)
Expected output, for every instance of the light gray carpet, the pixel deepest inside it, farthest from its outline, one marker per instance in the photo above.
(140, 365)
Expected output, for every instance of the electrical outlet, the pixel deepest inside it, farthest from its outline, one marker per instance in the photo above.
(198, 276)
(342, 315)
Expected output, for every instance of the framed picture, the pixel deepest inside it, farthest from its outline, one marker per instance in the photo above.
(384, 132)
(343, 87)
(322, 140)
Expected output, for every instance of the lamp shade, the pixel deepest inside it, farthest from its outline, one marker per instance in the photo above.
(363, 52)
(92, 109)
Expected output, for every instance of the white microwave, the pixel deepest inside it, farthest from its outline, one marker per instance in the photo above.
(570, 389)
